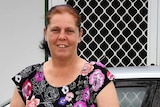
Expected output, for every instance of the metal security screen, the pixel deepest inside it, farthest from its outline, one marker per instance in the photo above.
(115, 31)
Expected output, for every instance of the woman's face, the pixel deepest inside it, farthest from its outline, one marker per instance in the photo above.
(62, 35)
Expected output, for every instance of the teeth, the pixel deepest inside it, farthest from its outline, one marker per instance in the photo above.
(61, 46)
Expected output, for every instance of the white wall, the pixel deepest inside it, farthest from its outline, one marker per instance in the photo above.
(21, 30)
(158, 54)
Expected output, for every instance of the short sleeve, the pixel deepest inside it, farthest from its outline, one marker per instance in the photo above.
(22, 81)
(100, 77)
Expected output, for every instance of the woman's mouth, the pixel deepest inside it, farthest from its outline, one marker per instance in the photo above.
(62, 46)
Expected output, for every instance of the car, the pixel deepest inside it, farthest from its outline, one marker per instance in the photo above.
(136, 86)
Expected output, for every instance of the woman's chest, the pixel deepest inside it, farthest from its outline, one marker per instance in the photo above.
(76, 94)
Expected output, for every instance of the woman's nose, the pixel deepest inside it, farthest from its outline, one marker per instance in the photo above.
(62, 35)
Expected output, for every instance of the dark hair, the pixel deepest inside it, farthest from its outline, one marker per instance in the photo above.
(59, 9)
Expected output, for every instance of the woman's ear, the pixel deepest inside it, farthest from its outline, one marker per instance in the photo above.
(45, 33)
(80, 34)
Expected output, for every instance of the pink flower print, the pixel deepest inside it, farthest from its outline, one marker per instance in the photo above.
(92, 62)
(80, 104)
(26, 89)
(110, 75)
(69, 96)
(86, 94)
(96, 79)
(39, 76)
(100, 64)
(33, 102)
(88, 67)
(92, 105)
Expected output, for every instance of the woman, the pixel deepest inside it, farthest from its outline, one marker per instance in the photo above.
(65, 80)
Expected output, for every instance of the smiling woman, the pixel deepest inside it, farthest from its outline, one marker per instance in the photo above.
(65, 79)
(64, 34)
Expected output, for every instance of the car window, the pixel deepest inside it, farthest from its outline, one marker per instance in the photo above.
(131, 96)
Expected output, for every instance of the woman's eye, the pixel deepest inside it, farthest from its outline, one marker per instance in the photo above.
(55, 30)
(70, 31)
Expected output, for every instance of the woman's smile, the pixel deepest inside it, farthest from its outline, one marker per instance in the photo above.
(62, 46)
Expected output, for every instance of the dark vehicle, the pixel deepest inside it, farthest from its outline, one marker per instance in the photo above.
(138, 86)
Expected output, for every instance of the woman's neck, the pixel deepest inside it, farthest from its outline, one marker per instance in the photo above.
(59, 68)
(58, 63)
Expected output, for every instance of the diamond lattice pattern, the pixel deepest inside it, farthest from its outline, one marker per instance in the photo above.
(115, 31)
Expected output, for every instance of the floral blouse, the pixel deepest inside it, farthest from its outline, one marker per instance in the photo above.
(37, 92)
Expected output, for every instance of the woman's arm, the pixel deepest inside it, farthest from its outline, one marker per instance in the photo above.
(16, 100)
(108, 96)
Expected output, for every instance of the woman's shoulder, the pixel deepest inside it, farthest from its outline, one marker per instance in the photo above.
(31, 68)
(96, 68)
(98, 75)
(90, 67)
(27, 72)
